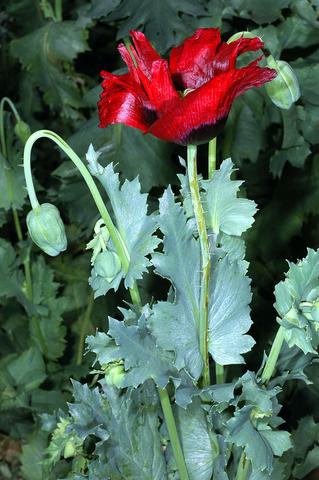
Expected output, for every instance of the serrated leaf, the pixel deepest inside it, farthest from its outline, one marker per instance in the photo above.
(27, 369)
(260, 444)
(57, 42)
(12, 184)
(301, 279)
(50, 307)
(143, 359)
(130, 210)
(11, 278)
(135, 450)
(229, 312)
(224, 211)
(174, 324)
(161, 21)
(89, 412)
(259, 12)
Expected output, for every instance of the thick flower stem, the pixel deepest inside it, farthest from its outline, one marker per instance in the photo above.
(173, 435)
(205, 259)
(124, 257)
(270, 365)
(212, 146)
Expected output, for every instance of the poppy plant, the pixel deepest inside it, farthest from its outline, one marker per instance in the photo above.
(187, 99)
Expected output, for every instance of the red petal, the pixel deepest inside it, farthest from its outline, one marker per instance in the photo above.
(190, 63)
(122, 101)
(126, 56)
(143, 52)
(227, 53)
(199, 116)
(159, 87)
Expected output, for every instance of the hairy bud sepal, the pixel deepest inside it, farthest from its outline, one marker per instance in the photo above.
(284, 89)
(46, 229)
(107, 265)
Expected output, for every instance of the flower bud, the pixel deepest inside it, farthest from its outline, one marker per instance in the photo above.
(46, 229)
(114, 374)
(69, 449)
(107, 264)
(22, 131)
(284, 89)
(238, 35)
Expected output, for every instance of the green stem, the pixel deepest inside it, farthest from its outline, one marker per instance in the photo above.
(5, 100)
(58, 10)
(219, 369)
(220, 374)
(121, 250)
(243, 467)
(84, 329)
(16, 220)
(212, 157)
(270, 365)
(205, 259)
(173, 434)
(116, 238)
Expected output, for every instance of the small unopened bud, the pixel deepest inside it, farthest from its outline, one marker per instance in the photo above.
(284, 89)
(46, 229)
(115, 374)
(238, 35)
(69, 449)
(107, 264)
(22, 131)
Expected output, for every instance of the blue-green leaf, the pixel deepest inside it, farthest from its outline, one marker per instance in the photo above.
(229, 312)
(174, 324)
(224, 211)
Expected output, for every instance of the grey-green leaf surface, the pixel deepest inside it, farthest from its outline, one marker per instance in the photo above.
(224, 211)
(174, 324)
(229, 312)
(197, 441)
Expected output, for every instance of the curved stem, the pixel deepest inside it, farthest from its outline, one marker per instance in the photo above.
(270, 365)
(17, 117)
(212, 157)
(205, 259)
(122, 252)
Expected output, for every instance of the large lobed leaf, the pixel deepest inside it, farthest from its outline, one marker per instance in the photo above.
(56, 43)
(300, 286)
(229, 312)
(224, 211)
(174, 324)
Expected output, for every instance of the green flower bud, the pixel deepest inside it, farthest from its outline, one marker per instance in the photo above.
(69, 449)
(46, 229)
(284, 89)
(114, 374)
(238, 35)
(107, 264)
(22, 131)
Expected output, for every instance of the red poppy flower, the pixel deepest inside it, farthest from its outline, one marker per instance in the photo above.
(187, 99)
